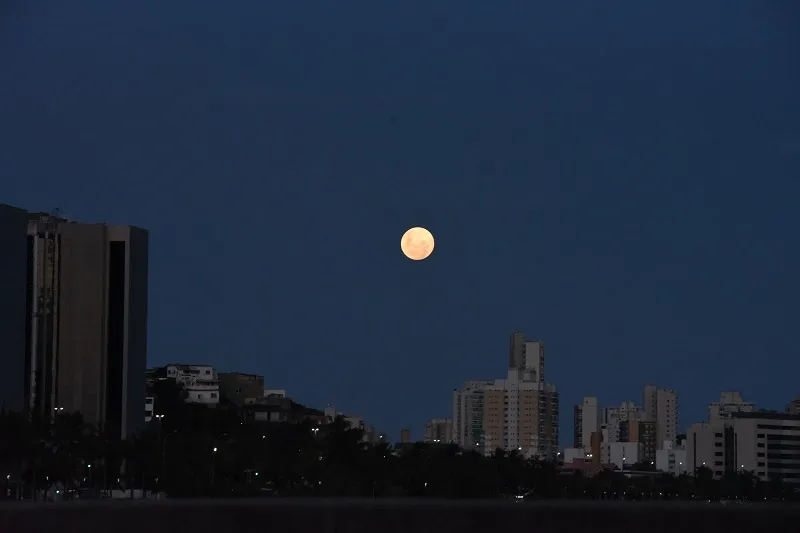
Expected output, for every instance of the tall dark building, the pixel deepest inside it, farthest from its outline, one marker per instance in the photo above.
(13, 277)
(85, 320)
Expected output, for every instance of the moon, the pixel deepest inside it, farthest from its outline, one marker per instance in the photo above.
(417, 243)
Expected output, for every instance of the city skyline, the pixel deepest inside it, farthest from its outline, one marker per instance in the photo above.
(619, 183)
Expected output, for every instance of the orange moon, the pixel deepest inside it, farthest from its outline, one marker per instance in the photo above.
(417, 243)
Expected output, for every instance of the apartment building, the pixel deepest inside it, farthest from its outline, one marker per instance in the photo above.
(672, 459)
(764, 443)
(587, 419)
(521, 413)
(439, 430)
(729, 403)
(620, 454)
(642, 432)
(468, 415)
(661, 407)
(238, 387)
(201, 382)
(612, 418)
(527, 355)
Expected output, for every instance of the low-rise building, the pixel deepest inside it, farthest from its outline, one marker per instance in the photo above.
(672, 459)
(237, 387)
(200, 382)
(763, 443)
(621, 454)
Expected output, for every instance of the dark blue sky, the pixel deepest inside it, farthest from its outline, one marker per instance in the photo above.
(616, 179)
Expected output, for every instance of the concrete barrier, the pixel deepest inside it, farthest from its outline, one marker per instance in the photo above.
(387, 516)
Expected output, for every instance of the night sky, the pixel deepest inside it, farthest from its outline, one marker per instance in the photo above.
(617, 179)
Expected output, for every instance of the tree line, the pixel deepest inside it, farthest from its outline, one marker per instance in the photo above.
(190, 450)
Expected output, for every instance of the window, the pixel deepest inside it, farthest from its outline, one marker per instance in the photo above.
(760, 465)
(213, 394)
(717, 454)
(717, 463)
(760, 454)
(199, 396)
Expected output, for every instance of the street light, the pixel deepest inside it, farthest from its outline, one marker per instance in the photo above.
(214, 457)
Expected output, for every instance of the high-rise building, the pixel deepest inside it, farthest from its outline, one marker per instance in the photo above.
(516, 356)
(587, 420)
(521, 414)
(527, 355)
(468, 409)
(13, 305)
(661, 407)
(85, 321)
(612, 419)
(729, 403)
(439, 430)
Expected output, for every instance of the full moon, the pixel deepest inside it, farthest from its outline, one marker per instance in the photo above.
(417, 244)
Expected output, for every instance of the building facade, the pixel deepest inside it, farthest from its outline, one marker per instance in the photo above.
(527, 355)
(14, 306)
(672, 460)
(201, 382)
(468, 411)
(729, 403)
(764, 443)
(521, 414)
(84, 319)
(587, 418)
(237, 387)
(661, 407)
(613, 417)
(439, 430)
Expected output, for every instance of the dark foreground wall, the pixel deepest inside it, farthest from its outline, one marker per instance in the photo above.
(340, 516)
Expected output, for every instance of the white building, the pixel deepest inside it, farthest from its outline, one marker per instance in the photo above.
(573, 454)
(729, 403)
(672, 459)
(661, 407)
(620, 454)
(439, 430)
(201, 382)
(587, 420)
(764, 443)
